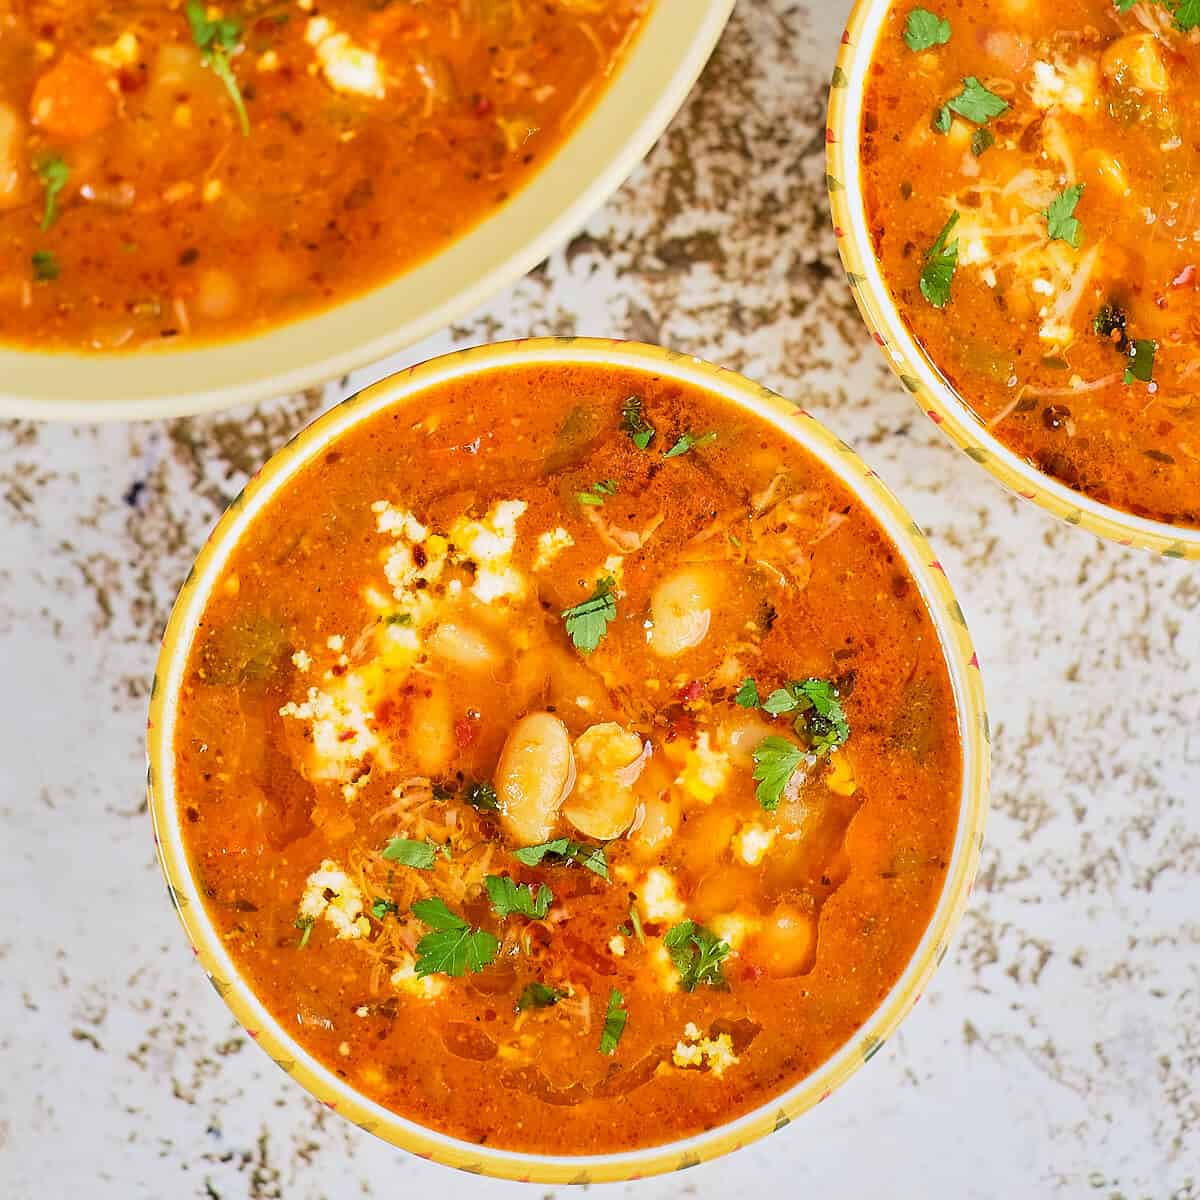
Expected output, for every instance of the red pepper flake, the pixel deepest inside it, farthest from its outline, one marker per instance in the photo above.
(693, 691)
(419, 556)
(465, 732)
(484, 107)
(347, 735)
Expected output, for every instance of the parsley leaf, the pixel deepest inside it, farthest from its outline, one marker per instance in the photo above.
(382, 907)
(306, 924)
(942, 119)
(634, 423)
(408, 853)
(597, 492)
(1185, 12)
(1141, 361)
(591, 858)
(508, 897)
(821, 717)
(747, 694)
(53, 173)
(615, 1017)
(635, 919)
(1061, 222)
(775, 761)
(45, 266)
(1110, 323)
(697, 954)
(482, 796)
(688, 442)
(539, 995)
(453, 948)
(976, 103)
(940, 264)
(588, 622)
(923, 30)
(982, 140)
(217, 40)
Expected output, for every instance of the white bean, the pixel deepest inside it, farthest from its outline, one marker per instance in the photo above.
(12, 175)
(534, 775)
(681, 611)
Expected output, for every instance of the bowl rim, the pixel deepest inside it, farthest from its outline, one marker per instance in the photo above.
(617, 131)
(915, 370)
(802, 429)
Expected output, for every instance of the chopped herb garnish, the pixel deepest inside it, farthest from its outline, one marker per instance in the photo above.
(45, 266)
(53, 173)
(539, 995)
(508, 897)
(1110, 323)
(923, 30)
(976, 103)
(747, 694)
(1061, 222)
(482, 796)
(942, 119)
(689, 442)
(305, 924)
(408, 853)
(1185, 12)
(697, 954)
(217, 40)
(453, 948)
(820, 716)
(382, 907)
(1141, 361)
(981, 141)
(597, 492)
(775, 761)
(591, 858)
(940, 264)
(588, 622)
(442, 792)
(635, 919)
(634, 423)
(398, 618)
(615, 1017)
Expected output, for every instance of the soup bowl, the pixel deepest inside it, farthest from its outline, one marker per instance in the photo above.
(918, 373)
(646, 91)
(967, 798)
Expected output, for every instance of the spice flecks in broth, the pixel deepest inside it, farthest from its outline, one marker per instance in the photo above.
(536, 804)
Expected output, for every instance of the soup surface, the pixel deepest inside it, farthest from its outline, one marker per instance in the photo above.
(568, 760)
(171, 170)
(1031, 174)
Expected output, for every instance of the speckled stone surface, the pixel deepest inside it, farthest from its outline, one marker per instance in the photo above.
(1058, 1052)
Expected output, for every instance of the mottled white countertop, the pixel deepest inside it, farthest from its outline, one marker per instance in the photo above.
(1058, 1051)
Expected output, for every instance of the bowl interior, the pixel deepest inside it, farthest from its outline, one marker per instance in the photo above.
(948, 620)
(644, 94)
(917, 372)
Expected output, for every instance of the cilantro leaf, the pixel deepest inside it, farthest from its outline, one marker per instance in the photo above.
(382, 907)
(508, 897)
(408, 853)
(923, 30)
(217, 40)
(943, 118)
(775, 761)
(821, 717)
(634, 423)
(306, 924)
(591, 858)
(1141, 361)
(941, 262)
(615, 1017)
(635, 919)
(453, 948)
(481, 795)
(538, 995)
(689, 442)
(53, 173)
(976, 103)
(597, 492)
(587, 622)
(45, 266)
(747, 694)
(1061, 222)
(982, 140)
(697, 954)
(1187, 15)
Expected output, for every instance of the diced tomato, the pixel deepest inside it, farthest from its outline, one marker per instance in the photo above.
(693, 691)
(72, 99)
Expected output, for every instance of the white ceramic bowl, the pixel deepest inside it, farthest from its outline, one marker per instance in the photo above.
(645, 93)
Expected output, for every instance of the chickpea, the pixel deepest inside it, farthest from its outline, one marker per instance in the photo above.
(535, 774)
(722, 890)
(741, 734)
(786, 943)
(1135, 60)
(681, 610)
(660, 820)
(218, 295)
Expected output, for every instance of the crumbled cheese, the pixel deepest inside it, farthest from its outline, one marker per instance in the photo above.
(705, 770)
(425, 987)
(336, 643)
(301, 660)
(733, 928)
(616, 944)
(351, 789)
(972, 251)
(362, 1011)
(659, 900)
(752, 842)
(124, 52)
(268, 61)
(693, 1050)
(400, 523)
(1070, 87)
(1043, 287)
(346, 67)
(340, 724)
(489, 545)
(550, 545)
(330, 893)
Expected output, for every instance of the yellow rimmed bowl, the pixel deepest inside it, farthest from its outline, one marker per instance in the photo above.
(647, 89)
(404, 389)
(916, 371)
